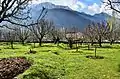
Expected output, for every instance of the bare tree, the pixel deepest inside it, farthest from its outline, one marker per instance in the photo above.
(73, 35)
(100, 31)
(41, 29)
(12, 9)
(113, 36)
(22, 33)
(89, 34)
(113, 4)
(56, 35)
(114, 28)
(9, 36)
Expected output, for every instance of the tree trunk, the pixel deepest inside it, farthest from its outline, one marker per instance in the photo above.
(23, 42)
(70, 44)
(92, 43)
(95, 50)
(11, 44)
(40, 42)
(111, 42)
(81, 42)
(99, 41)
(58, 43)
(54, 40)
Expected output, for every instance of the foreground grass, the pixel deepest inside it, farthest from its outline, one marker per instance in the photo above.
(59, 62)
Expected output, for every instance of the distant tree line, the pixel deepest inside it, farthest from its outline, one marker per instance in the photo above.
(45, 30)
(13, 10)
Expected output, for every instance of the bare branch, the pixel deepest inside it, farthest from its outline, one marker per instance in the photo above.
(113, 5)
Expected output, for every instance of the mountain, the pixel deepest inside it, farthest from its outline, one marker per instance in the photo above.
(67, 18)
(48, 5)
(63, 16)
(102, 16)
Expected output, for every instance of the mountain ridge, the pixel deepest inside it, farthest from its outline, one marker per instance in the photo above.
(63, 16)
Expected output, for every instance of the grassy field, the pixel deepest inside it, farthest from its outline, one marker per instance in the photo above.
(59, 62)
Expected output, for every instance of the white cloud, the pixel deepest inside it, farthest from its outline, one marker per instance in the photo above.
(94, 8)
(79, 6)
(73, 4)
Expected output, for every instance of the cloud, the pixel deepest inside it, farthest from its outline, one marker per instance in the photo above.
(98, 8)
(73, 4)
(79, 5)
(95, 8)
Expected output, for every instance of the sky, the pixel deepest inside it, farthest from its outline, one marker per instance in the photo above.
(88, 6)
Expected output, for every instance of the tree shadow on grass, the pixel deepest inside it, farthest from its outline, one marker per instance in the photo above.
(3, 44)
(118, 67)
(88, 49)
(94, 57)
(104, 47)
(10, 48)
(45, 50)
(68, 48)
(82, 46)
(109, 47)
(55, 52)
(48, 46)
(76, 52)
(116, 47)
(37, 46)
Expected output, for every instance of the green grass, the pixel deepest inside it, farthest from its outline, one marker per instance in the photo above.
(60, 62)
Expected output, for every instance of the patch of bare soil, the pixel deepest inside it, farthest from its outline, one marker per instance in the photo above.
(11, 67)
